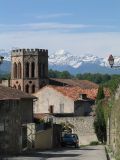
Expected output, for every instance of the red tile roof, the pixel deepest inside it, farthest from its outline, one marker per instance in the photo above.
(74, 92)
(85, 84)
(7, 93)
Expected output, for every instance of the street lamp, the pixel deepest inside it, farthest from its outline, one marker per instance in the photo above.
(111, 62)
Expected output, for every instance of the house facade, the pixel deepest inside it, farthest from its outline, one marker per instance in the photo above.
(16, 111)
(63, 100)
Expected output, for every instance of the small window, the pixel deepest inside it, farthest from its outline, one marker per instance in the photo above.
(62, 108)
(51, 109)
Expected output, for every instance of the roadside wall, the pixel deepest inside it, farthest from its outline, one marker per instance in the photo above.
(114, 126)
(83, 127)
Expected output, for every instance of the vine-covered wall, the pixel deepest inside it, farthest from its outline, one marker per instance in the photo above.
(115, 125)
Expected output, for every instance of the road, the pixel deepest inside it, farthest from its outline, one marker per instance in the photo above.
(85, 153)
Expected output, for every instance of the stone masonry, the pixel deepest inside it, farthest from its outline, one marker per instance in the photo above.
(83, 127)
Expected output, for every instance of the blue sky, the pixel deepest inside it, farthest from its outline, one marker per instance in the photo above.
(78, 26)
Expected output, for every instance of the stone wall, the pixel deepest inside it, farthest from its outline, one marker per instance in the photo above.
(83, 127)
(13, 113)
(114, 126)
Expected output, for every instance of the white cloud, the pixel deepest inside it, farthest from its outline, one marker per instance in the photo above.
(42, 26)
(101, 44)
(55, 15)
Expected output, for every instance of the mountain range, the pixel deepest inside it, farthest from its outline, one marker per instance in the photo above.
(64, 60)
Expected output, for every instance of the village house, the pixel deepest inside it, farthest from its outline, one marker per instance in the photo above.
(69, 105)
(64, 100)
(16, 111)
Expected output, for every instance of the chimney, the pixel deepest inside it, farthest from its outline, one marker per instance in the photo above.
(83, 96)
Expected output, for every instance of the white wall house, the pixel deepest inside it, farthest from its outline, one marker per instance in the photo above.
(52, 101)
(59, 100)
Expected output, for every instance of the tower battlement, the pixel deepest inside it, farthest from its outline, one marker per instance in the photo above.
(17, 52)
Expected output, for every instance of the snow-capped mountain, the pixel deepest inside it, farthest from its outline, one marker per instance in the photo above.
(64, 60)
(63, 57)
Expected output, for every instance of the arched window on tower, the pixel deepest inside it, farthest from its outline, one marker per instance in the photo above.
(15, 70)
(27, 69)
(19, 87)
(19, 70)
(27, 88)
(43, 70)
(33, 88)
(32, 69)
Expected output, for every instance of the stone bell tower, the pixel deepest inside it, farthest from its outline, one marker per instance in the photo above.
(29, 70)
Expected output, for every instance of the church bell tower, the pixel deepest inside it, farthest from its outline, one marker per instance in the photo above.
(29, 70)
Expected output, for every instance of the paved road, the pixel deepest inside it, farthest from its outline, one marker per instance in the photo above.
(85, 153)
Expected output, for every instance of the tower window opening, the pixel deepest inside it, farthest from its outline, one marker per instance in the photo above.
(27, 69)
(32, 69)
(43, 70)
(19, 70)
(33, 88)
(15, 70)
(27, 88)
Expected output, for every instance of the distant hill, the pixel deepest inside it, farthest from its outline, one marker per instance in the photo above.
(62, 60)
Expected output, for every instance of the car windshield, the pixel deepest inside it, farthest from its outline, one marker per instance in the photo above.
(70, 136)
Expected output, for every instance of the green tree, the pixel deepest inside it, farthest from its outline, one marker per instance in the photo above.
(66, 74)
(100, 94)
(4, 76)
(113, 83)
(100, 123)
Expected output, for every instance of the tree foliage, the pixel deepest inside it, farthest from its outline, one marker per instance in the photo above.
(4, 76)
(100, 123)
(58, 74)
(96, 78)
(113, 83)
(100, 94)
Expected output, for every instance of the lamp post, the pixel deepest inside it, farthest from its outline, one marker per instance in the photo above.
(111, 62)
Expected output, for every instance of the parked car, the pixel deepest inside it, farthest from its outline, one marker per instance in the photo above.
(70, 139)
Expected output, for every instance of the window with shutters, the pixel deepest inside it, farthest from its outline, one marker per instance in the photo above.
(61, 108)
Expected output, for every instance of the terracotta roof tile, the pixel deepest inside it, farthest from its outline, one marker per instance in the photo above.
(11, 93)
(85, 84)
(74, 92)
